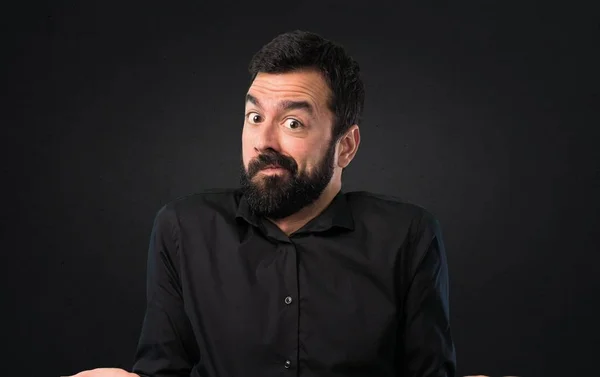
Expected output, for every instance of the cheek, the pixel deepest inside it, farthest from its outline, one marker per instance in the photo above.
(296, 151)
(318, 156)
(247, 148)
(307, 158)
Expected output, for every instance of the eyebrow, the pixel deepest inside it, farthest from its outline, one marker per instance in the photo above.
(285, 105)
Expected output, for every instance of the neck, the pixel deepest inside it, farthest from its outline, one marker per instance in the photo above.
(292, 223)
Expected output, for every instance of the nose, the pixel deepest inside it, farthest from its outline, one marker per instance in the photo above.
(267, 137)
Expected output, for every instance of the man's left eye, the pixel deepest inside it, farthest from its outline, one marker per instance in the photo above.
(293, 124)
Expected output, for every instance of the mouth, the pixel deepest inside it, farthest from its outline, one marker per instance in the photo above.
(272, 169)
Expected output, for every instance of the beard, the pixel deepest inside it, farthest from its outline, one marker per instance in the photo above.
(282, 194)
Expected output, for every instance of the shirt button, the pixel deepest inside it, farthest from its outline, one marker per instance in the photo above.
(288, 364)
(288, 300)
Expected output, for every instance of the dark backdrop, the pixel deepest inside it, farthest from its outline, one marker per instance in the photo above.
(483, 112)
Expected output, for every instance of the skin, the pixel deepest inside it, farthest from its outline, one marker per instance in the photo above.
(295, 133)
(104, 372)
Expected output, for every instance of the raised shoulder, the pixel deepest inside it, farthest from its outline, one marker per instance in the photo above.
(205, 201)
(380, 211)
(366, 200)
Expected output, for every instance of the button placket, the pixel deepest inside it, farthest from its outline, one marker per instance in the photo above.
(291, 288)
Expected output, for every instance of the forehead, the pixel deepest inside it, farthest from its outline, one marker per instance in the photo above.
(307, 85)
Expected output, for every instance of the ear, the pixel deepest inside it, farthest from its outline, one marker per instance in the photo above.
(348, 146)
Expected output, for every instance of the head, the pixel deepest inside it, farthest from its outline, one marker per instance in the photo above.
(300, 130)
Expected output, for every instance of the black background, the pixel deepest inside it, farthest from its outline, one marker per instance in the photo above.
(483, 112)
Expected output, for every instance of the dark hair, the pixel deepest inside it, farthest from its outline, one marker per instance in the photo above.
(300, 50)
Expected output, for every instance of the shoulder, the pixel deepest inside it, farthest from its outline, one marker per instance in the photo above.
(394, 211)
(207, 202)
(384, 204)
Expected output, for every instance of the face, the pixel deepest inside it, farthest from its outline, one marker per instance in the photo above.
(287, 151)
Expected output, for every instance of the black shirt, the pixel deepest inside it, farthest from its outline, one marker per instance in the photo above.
(360, 290)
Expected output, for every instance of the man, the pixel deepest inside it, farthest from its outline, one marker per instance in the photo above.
(288, 275)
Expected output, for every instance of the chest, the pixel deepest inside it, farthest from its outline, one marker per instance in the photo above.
(263, 298)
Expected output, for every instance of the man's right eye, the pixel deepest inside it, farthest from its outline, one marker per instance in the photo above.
(253, 118)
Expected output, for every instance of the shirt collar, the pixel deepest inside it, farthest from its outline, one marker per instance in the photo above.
(337, 214)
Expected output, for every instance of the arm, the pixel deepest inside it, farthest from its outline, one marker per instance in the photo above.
(167, 346)
(425, 340)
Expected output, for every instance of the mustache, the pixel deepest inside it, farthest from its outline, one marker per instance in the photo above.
(269, 159)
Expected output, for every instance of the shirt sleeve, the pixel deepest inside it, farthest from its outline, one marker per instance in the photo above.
(167, 346)
(425, 340)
